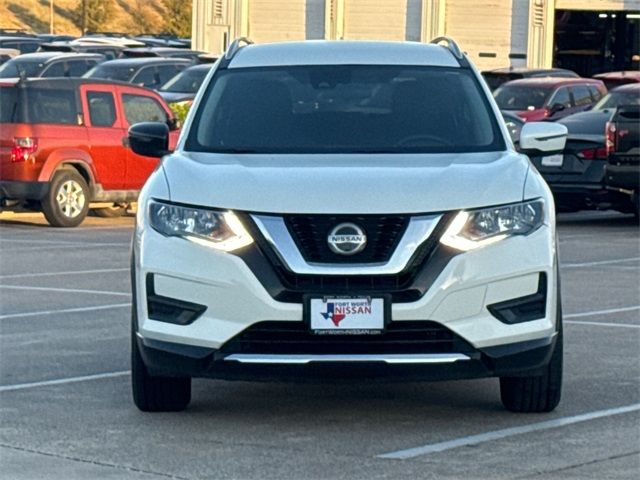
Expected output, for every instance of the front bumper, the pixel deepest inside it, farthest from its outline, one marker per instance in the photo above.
(167, 359)
(580, 184)
(15, 190)
(623, 176)
(588, 196)
(457, 299)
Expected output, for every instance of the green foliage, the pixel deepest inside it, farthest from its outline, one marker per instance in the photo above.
(180, 110)
(96, 14)
(178, 17)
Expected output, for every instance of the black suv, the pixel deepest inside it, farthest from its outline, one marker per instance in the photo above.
(110, 52)
(497, 77)
(23, 43)
(151, 72)
(50, 64)
(577, 176)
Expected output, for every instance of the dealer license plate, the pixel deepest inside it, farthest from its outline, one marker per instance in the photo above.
(553, 160)
(346, 316)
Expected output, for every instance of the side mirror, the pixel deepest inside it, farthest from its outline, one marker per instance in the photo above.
(556, 107)
(149, 139)
(542, 138)
(174, 124)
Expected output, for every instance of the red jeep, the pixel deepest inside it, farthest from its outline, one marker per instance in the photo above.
(63, 144)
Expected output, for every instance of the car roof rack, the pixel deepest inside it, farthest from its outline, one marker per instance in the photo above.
(233, 48)
(451, 45)
(236, 45)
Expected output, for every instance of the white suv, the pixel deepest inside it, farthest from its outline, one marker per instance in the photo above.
(346, 209)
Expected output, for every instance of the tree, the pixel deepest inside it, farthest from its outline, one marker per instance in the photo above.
(91, 15)
(143, 18)
(178, 17)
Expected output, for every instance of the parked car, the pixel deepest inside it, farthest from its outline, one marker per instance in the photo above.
(62, 145)
(622, 172)
(184, 86)
(208, 58)
(342, 210)
(7, 54)
(113, 40)
(25, 44)
(93, 34)
(615, 79)
(152, 40)
(162, 52)
(497, 77)
(50, 64)
(514, 125)
(52, 37)
(110, 52)
(16, 32)
(150, 72)
(576, 176)
(536, 99)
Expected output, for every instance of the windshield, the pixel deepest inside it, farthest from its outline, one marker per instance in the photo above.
(187, 81)
(20, 67)
(344, 109)
(615, 99)
(111, 72)
(8, 104)
(514, 97)
(494, 79)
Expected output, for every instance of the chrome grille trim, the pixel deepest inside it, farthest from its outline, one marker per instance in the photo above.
(276, 233)
(391, 359)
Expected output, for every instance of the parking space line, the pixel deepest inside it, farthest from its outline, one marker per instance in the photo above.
(602, 324)
(61, 381)
(601, 262)
(25, 228)
(64, 310)
(602, 312)
(65, 290)
(33, 241)
(60, 246)
(506, 432)
(55, 242)
(69, 272)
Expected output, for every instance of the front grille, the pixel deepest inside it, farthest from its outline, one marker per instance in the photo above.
(407, 286)
(295, 338)
(399, 286)
(310, 234)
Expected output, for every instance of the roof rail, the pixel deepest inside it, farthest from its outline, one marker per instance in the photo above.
(452, 46)
(236, 45)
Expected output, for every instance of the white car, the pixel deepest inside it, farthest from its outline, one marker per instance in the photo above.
(340, 210)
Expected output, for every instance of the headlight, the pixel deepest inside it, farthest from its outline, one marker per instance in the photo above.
(217, 229)
(476, 228)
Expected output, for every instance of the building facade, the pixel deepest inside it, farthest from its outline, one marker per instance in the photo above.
(586, 35)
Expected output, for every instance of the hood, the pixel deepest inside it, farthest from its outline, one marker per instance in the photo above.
(532, 115)
(588, 123)
(354, 183)
(174, 97)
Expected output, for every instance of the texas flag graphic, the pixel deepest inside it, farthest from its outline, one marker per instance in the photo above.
(330, 314)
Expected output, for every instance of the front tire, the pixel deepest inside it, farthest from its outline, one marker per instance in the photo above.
(67, 201)
(536, 393)
(156, 394)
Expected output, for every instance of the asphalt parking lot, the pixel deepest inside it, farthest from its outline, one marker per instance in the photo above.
(66, 410)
